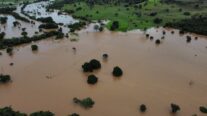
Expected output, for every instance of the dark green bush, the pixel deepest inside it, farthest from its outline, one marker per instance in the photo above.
(8, 111)
(114, 26)
(74, 114)
(203, 109)
(42, 113)
(142, 108)
(92, 65)
(92, 79)
(46, 20)
(117, 72)
(157, 20)
(2, 34)
(48, 26)
(175, 108)
(157, 42)
(95, 64)
(4, 78)
(9, 50)
(34, 47)
(86, 103)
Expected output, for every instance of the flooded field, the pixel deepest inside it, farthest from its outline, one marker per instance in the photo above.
(155, 75)
(39, 10)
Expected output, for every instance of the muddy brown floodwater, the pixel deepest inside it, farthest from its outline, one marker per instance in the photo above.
(153, 75)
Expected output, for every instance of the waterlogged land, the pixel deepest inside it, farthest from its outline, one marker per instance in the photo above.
(171, 71)
(153, 75)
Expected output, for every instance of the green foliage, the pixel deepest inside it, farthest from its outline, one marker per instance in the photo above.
(196, 24)
(114, 25)
(45, 20)
(5, 43)
(8, 111)
(48, 26)
(4, 79)
(42, 113)
(2, 34)
(142, 108)
(117, 72)
(92, 79)
(92, 65)
(175, 108)
(34, 47)
(3, 20)
(77, 26)
(86, 102)
(74, 114)
(130, 16)
(203, 109)
(9, 50)
(24, 33)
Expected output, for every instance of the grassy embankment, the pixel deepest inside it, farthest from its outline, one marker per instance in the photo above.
(131, 17)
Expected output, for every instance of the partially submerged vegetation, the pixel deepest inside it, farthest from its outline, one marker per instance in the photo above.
(132, 15)
(5, 43)
(4, 78)
(117, 71)
(203, 109)
(8, 111)
(48, 26)
(92, 79)
(42, 113)
(175, 108)
(86, 102)
(10, 11)
(196, 24)
(92, 65)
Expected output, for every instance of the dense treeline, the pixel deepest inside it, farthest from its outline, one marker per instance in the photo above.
(76, 26)
(48, 26)
(10, 11)
(60, 4)
(8, 111)
(46, 20)
(5, 43)
(196, 24)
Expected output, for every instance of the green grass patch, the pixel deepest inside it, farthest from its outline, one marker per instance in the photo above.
(131, 17)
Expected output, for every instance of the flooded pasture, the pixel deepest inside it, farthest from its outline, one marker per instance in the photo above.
(155, 75)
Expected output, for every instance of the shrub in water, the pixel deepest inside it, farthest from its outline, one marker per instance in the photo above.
(42, 113)
(117, 72)
(174, 108)
(142, 108)
(4, 78)
(34, 47)
(203, 109)
(92, 79)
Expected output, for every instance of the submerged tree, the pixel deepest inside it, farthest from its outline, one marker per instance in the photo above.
(142, 108)
(92, 79)
(175, 108)
(74, 114)
(203, 109)
(4, 78)
(9, 50)
(157, 42)
(42, 113)
(92, 65)
(86, 102)
(34, 47)
(8, 111)
(117, 72)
